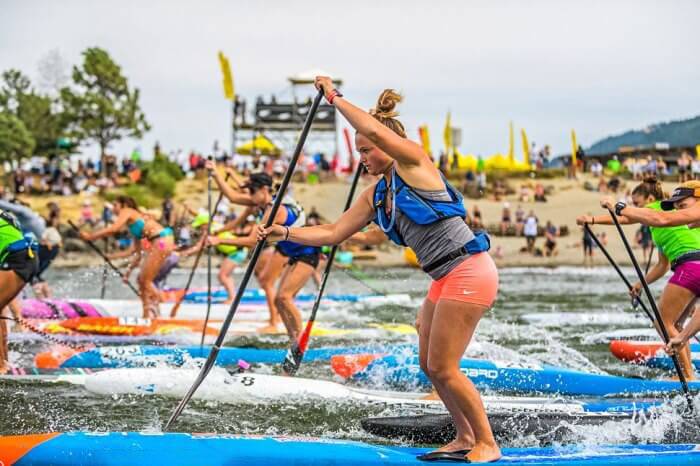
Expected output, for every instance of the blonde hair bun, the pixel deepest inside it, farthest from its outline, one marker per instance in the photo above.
(385, 111)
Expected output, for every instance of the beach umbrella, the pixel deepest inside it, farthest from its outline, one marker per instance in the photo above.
(259, 145)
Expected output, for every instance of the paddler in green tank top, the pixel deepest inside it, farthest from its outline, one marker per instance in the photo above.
(685, 200)
(18, 264)
(679, 249)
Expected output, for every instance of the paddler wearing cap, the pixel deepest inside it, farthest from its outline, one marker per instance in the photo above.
(161, 241)
(681, 209)
(292, 262)
(679, 250)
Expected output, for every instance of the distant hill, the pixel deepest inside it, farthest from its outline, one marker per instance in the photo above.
(675, 133)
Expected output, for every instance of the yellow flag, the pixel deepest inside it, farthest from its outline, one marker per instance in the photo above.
(697, 152)
(574, 148)
(424, 138)
(447, 134)
(526, 148)
(228, 77)
(511, 149)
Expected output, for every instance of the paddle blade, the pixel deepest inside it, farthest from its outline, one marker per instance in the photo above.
(347, 365)
(295, 354)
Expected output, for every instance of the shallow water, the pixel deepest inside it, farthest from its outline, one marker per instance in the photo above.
(508, 332)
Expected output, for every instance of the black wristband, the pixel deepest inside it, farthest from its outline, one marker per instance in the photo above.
(286, 237)
(619, 207)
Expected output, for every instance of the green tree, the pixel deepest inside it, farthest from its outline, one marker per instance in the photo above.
(16, 142)
(101, 105)
(41, 114)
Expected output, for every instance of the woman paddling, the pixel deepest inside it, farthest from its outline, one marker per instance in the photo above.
(677, 246)
(161, 245)
(415, 206)
(296, 262)
(18, 265)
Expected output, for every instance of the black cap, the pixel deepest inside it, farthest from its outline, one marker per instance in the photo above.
(257, 180)
(678, 194)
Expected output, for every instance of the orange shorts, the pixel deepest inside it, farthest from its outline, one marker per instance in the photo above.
(473, 281)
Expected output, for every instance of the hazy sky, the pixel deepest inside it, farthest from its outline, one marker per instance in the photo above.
(600, 67)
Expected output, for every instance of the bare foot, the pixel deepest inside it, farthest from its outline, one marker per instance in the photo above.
(458, 444)
(484, 453)
(431, 396)
(269, 329)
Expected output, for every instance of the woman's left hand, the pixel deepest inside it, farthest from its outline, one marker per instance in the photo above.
(272, 233)
(213, 240)
(324, 83)
(85, 236)
(607, 203)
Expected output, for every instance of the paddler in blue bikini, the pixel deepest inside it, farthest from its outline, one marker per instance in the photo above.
(416, 207)
(293, 263)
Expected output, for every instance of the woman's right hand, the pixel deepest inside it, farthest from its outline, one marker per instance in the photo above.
(635, 290)
(324, 83)
(584, 219)
(676, 344)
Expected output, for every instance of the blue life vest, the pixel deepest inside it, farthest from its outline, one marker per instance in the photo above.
(295, 218)
(420, 210)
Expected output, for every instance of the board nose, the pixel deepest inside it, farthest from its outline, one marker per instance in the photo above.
(14, 448)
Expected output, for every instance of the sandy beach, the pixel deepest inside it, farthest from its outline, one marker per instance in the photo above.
(568, 200)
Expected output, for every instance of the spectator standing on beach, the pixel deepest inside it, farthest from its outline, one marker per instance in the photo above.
(550, 246)
(695, 169)
(530, 231)
(481, 183)
(683, 167)
(597, 168)
(519, 220)
(506, 220)
(477, 221)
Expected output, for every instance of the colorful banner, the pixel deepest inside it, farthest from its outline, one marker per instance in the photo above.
(447, 134)
(351, 153)
(425, 139)
(574, 149)
(526, 148)
(227, 76)
(511, 144)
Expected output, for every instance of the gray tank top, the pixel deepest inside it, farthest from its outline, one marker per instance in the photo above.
(431, 242)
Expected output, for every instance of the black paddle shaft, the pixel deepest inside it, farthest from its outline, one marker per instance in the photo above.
(211, 220)
(251, 265)
(296, 353)
(196, 262)
(106, 259)
(652, 303)
(637, 299)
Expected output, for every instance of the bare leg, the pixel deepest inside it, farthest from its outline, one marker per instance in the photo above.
(12, 284)
(451, 331)
(293, 279)
(156, 256)
(672, 306)
(464, 439)
(273, 267)
(226, 279)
